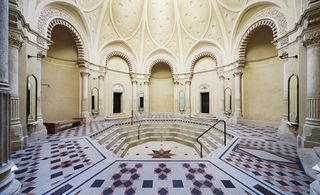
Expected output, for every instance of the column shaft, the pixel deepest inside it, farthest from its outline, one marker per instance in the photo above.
(237, 95)
(134, 96)
(311, 128)
(101, 94)
(8, 185)
(187, 104)
(84, 97)
(176, 96)
(18, 140)
(146, 97)
(221, 101)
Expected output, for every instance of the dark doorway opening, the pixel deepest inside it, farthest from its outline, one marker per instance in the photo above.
(205, 102)
(117, 102)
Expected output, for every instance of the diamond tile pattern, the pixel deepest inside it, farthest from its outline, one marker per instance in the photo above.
(287, 177)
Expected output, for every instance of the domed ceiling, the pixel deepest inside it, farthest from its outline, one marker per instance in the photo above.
(173, 25)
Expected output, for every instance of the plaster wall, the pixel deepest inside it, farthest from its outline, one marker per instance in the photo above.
(161, 89)
(262, 79)
(60, 79)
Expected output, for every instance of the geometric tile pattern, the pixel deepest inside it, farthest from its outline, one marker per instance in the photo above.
(120, 182)
(285, 176)
(162, 171)
(57, 165)
(142, 177)
(43, 165)
(206, 182)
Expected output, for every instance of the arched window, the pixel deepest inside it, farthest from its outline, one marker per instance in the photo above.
(32, 88)
(293, 99)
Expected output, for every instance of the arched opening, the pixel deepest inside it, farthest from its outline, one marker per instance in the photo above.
(262, 78)
(161, 88)
(204, 87)
(118, 87)
(60, 78)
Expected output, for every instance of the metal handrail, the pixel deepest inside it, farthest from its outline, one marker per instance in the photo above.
(134, 114)
(224, 132)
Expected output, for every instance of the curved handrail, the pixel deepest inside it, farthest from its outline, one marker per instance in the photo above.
(132, 115)
(224, 132)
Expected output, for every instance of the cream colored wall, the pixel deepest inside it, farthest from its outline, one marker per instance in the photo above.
(61, 101)
(118, 73)
(204, 75)
(161, 89)
(262, 79)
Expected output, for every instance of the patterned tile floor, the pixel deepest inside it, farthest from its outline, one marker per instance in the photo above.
(68, 163)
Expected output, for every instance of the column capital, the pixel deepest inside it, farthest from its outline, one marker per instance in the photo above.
(221, 77)
(14, 41)
(238, 72)
(134, 81)
(188, 81)
(101, 76)
(312, 39)
(84, 72)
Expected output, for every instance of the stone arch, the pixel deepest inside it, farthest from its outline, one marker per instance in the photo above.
(50, 17)
(200, 55)
(120, 54)
(248, 34)
(271, 17)
(161, 60)
(75, 34)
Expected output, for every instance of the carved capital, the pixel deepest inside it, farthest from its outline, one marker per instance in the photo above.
(221, 77)
(312, 39)
(238, 72)
(14, 41)
(101, 77)
(84, 72)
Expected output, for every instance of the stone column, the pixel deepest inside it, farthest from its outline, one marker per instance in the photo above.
(176, 96)
(85, 91)
(101, 94)
(187, 92)
(237, 95)
(134, 96)
(18, 140)
(8, 185)
(311, 128)
(146, 97)
(221, 99)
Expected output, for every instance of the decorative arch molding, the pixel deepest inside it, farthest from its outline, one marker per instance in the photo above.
(161, 60)
(271, 17)
(120, 54)
(200, 55)
(51, 17)
(76, 36)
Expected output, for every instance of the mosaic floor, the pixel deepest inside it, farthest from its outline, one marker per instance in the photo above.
(68, 163)
(170, 149)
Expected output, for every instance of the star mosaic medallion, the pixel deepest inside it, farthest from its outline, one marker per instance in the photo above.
(161, 153)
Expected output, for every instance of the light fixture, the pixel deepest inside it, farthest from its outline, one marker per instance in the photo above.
(38, 56)
(286, 56)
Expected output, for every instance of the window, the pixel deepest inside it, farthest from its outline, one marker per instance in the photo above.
(94, 100)
(293, 99)
(117, 102)
(31, 99)
(204, 102)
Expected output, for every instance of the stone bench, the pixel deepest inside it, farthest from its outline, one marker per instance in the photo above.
(56, 126)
